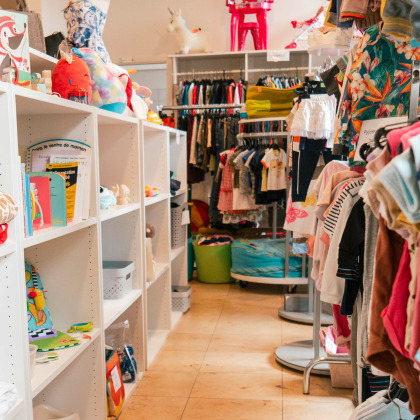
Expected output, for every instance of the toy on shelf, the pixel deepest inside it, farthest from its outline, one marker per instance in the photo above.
(14, 48)
(121, 193)
(107, 90)
(37, 83)
(81, 327)
(151, 192)
(150, 230)
(71, 72)
(106, 198)
(188, 40)
(259, 29)
(154, 118)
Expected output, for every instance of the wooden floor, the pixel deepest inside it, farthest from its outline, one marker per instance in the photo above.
(219, 363)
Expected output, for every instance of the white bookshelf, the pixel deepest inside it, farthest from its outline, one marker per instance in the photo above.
(69, 259)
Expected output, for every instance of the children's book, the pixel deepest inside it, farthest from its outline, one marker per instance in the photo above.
(82, 180)
(27, 203)
(69, 170)
(54, 151)
(58, 196)
(41, 202)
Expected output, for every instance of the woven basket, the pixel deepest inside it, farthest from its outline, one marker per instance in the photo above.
(178, 230)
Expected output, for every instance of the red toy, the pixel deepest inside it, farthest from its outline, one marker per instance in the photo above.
(259, 29)
(67, 78)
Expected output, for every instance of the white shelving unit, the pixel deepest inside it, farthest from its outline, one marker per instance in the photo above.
(69, 259)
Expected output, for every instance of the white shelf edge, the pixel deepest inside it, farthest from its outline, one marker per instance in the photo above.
(177, 251)
(175, 317)
(7, 248)
(148, 201)
(160, 270)
(114, 308)
(15, 410)
(49, 234)
(155, 341)
(118, 210)
(44, 374)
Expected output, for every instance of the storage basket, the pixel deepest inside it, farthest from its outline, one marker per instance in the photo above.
(213, 263)
(118, 278)
(178, 230)
(181, 298)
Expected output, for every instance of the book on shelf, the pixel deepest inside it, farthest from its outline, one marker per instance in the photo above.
(69, 171)
(57, 197)
(41, 202)
(27, 203)
(64, 151)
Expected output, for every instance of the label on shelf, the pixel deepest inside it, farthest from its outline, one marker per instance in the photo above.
(177, 138)
(116, 379)
(278, 55)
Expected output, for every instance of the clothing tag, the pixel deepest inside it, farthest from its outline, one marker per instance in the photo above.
(369, 128)
(177, 138)
(278, 55)
(185, 218)
(116, 379)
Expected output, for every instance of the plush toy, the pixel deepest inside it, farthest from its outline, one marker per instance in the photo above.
(8, 208)
(151, 192)
(154, 118)
(150, 230)
(107, 91)
(188, 41)
(121, 193)
(71, 72)
(106, 198)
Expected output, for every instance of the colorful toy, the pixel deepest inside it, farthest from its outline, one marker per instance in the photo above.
(151, 192)
(37, 83)
(81, 327)
(188, 41)
(154, 118)
(14, 48)
(259, 29)
(71, 72)
(107, 91)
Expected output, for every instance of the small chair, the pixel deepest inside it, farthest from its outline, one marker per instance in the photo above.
(238, 9)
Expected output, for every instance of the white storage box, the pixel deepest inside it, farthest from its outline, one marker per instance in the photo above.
(181, 298)
(118, 278)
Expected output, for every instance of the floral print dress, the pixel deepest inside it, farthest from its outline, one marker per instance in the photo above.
(378, 85)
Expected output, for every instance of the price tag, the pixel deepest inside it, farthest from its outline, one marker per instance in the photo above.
(185, 218)
(116, 379)
(278, 55)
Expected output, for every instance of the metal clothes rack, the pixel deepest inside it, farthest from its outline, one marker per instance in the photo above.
(241, 71)
(187, 107)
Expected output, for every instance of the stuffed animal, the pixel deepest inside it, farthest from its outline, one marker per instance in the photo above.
(150, 230)
(188, 41)
(121, 193)
(106, 198)
(107, 91)
(71, 72)
(8, 208)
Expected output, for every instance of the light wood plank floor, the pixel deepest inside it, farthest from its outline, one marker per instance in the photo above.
(219, 364)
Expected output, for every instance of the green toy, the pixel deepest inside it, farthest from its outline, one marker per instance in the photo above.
(81, 327)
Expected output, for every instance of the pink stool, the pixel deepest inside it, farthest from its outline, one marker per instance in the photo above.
(258, 29)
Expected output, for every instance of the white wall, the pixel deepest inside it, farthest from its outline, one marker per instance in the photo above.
(136, 29)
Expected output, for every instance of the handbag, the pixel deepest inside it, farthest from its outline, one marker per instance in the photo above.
(35, 29)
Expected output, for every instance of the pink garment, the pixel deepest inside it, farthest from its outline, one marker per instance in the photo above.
(394, 137)
(226, 185)
(405, 138)
(342, 324)
(415, 341)
(394, 315)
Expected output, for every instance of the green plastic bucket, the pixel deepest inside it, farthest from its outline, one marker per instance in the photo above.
(213, 263)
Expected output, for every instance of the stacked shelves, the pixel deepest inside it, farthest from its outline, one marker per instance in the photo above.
(69, 259)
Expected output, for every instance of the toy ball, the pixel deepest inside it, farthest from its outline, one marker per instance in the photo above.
(70, 76)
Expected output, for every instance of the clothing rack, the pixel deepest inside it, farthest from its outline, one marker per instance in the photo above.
(227, 71)
(266, 134)
(187, 107)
